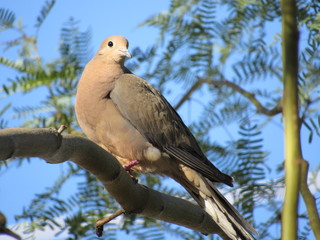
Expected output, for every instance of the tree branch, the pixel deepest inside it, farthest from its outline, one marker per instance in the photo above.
(6, 231)
(250, 96)
(187, 95)
(309, 200)
(48, 144)
(293, 153)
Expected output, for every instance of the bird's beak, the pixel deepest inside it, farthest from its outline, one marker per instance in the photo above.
(125, 52)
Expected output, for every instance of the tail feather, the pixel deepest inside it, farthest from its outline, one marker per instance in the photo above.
(220, 217)
(234, 226)
(228, 218)
(236, 215)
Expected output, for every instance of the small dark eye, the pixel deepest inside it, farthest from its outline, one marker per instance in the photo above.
(110, 44)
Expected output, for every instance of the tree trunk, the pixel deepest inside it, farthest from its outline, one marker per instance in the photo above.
(293, 156)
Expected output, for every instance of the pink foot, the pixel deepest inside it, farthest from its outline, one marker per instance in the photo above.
(128, 169)
(130, 165)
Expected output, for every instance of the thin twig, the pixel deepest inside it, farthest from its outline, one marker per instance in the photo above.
(62, 128)
(100, 223)
(309, 200)
(6, 231)
(250, 96)
(187, 95)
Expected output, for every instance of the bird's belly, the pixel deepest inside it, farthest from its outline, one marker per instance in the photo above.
(123, 140)
(109, 129)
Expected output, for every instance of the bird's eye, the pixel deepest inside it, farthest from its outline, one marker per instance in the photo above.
(110, 44)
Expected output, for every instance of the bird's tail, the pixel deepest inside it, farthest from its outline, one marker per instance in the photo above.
(234, 226)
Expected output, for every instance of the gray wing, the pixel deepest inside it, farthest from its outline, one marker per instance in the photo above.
(150, 113)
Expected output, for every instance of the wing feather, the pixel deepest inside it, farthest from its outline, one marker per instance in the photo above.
(150, 113)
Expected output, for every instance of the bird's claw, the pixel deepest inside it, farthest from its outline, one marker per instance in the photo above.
(128, 168)
(133, 177)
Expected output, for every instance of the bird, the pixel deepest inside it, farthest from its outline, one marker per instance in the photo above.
(3, 228)
(129, 118)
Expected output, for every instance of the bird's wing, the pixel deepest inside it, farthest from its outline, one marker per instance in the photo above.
(150, 113)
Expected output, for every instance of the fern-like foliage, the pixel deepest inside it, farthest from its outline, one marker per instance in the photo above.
(7, 19)
(218, 40)
(251, 171)
(3, 122)
(44, 12)
(59, 77)
(238, 41)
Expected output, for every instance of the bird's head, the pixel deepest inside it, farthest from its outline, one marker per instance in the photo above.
(115, 48)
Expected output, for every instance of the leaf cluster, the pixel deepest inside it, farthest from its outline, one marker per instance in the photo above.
(237, 42)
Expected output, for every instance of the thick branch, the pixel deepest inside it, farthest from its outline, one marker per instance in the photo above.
(309, 200)
(250, 96)
(134, 198)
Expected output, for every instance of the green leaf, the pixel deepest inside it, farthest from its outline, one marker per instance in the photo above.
(7, 18)
(45, 10)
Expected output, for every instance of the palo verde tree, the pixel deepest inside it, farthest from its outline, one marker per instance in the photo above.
(227, 47)
(251, 72)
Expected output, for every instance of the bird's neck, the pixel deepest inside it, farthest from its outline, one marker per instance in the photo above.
(109, 60)
(97, 81)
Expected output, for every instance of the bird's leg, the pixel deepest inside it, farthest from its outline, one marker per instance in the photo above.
(101, 222)
(130, 164)
(128, 169)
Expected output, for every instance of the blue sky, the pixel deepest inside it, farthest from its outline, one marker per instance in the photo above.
(103, 18)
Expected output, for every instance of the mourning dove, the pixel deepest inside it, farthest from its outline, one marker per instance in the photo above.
(129, 118)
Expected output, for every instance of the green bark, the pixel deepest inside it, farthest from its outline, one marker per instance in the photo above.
(309, 200)
(293, 156)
